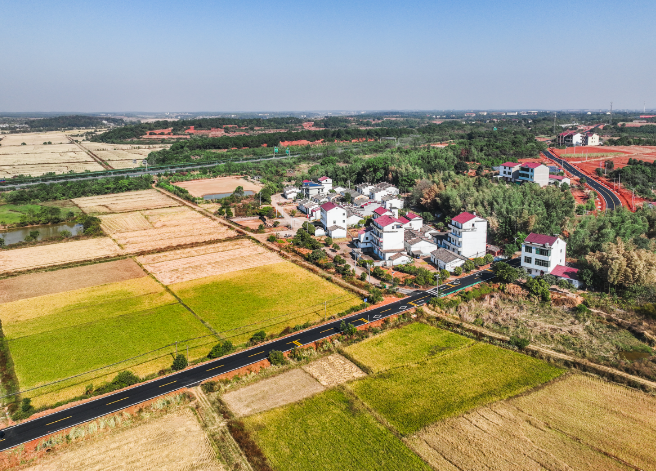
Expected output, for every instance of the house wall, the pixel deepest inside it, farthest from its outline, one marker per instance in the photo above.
(555, 256)
(425, 247)
(336, 216)
(389, 238)
(468, 240)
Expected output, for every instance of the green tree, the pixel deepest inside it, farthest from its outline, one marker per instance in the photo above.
(539, 288)
(335, 247)
(457, 271)
(444, 275)
(277, 357)
(328, 241)
(478, 261)
(309, 228)
(220, 349)
(272, 238)
(258, 337)
(488, 258)
(505, 273)
(468, 266)
(179, 363)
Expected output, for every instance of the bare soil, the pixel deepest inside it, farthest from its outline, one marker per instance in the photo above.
(333, 370)
(124, 202)
(285, 388)
(173, 442)
(200, 188)
(67, 279)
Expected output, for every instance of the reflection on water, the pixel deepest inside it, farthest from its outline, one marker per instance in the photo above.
(18, 235)
(218, 196)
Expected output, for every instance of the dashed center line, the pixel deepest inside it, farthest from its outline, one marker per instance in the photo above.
(215, 368)
(118, 400)
(50, 423)
(168, 383)
(258, 353)
(322, 331)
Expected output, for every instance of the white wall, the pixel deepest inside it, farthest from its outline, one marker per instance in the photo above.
(556, 256)
(469, 240)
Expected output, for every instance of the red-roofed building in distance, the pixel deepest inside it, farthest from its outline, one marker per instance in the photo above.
(542, 253)
(533, 172)
(467, 236)
(509, 171)
(569, 274)
(380, 211)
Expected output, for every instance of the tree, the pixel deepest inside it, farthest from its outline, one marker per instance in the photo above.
(623, 265)
(461, 167)
(179, 363)
(258, 337)
(347, 329)
(468, 266)
(363, 276)
(328, 241)
(457, 271)
(272, 238)
(599, 171)
(292, 213)
(505, 273)
(277, 357)
(444, 275)
(220, 349)
(539, 288)
(2, 241)
(479, 262)
(228, 212)
(520, 342)
(488, 258)
(583, 181)
(335, 247)
(309, 228)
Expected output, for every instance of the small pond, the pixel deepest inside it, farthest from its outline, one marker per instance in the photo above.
(18, 235)
(218, 196)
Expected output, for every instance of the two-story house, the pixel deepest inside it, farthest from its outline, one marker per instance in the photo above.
(533, 172)
(333, 219)
(377, 192)
(392, 201)
(467, 235)
(542, 253)
(381, 211)
(364, 188)
(311, 188)
(327, 184)
(509, 171)
(290, 192)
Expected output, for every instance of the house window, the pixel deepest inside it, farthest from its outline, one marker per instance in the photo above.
(541, 263)
(544, 252)
(528, 249)
(528, 259)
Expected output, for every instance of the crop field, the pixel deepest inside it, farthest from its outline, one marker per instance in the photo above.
(33, 138)
(125, 202)
(333, 370)
(417, 395)
(410, 345)
(173, 442)
(121, 155)
(329, 431)
(57, 254)
(209, 186)
(267, 298)
(578, 423)
(169, 227)
(67, 279)
(209, 260)
(11, 213)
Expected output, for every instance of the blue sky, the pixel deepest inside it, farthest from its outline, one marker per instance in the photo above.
(250, 55)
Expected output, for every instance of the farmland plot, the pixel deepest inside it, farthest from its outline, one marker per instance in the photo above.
(38, 159)
(57, 254)
(207, 186)
(125, 202)
(169, 227)
(565, 425)
(34, 138)
(333, 370)
(199, 262)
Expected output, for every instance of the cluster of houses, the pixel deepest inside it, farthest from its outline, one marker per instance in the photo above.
(531, 172)
(573, 138)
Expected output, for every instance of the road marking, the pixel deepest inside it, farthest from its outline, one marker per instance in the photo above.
(363, 320)
(168, 383)
(386, 310)
(412, 303)
(50, 423)
(322, 331)
(256, 353)
(297, 343)
(215, 368)
(114, 402)
(3, 440)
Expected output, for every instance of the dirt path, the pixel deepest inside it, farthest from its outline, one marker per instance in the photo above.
(100, 161)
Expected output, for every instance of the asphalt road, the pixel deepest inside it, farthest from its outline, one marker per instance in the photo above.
(612, 201)
(91, 410)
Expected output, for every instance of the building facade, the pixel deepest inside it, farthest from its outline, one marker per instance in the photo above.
(467, 235)
(533, 172)
(542, 253)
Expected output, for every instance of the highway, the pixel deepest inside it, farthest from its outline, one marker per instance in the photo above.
(611, 199)
(36, 428)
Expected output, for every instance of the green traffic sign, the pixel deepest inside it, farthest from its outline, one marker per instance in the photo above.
(495, 129)
(275, 149)
(287, 151)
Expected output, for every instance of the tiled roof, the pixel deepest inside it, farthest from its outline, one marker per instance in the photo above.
(328, 206)
(385, 221)
(443, 255)
(324, 179)
(410, 215)
(381, 211)
(565, 272)
(397, 256)
(463, 217)
(556, 177)
(531, 164)
(540, 239)
(509, 164)
(403, 220)
(334, 228)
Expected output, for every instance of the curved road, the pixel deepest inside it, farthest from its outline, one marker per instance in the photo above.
(46, 425)
(611, 199)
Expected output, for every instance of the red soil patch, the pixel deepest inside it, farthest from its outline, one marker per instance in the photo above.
(567, 153)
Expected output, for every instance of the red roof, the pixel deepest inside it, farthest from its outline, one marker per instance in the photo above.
(540, 239)
(306, 181)
(556, 177)
(411, 215)
(324, 178)
(403, 220)
(565, 272)
(381, 211)
(328, 206)
(531, 164)
(509, 164)
(463, 217)
(384, 221)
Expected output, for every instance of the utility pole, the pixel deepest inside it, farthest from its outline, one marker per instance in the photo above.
(555, 113)
(611, 113)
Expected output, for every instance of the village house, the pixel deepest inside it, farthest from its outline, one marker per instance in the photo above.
(533, 172)
(542, 253)
(560, 179)
(381, 211)
(392, 201)
(467, 235)
(509, 171)
(417, 244)
(327, 184)
(364, 188)
(333, 219)
(291, 192)
(569, 274)
(388, 240)
(382, 189)
(443, 259)
(311, 188)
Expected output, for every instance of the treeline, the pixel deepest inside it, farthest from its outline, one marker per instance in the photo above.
(76, 189)
(76, 121)
(135, 131)
(639, 175)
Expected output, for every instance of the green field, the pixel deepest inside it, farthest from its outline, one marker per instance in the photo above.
(411, 344)
(56, 354)
(11, 213)
(254, 296)
(329, 432)
(417, 395)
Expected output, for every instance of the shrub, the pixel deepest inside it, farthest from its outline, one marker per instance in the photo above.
(179, 363)
(220, 349)
(538, 287)
(363, 276)
(347, 329)
(520, 342)
(375, 295)
(335, 247)
(488, 258)
(258, 337)
(309, 228)
(478, 261)
(210, 386)
(505, 273)
(647, 310)
(468, 266)
(122, 380)
(457, 271)
(328, 241)
(277, 358)
(271, 238)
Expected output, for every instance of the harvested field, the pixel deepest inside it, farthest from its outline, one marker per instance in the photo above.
(57, 254)
(124, 202)
(333, 370)
(121, 155)
(267, 298)
(329, 431)
(172, 442)
(209, 186)
(288, 387)
(417, 395)
(169, 227)
(67, 279)
(412, 344)
(578, 423)
(33, 138)
(209, 260)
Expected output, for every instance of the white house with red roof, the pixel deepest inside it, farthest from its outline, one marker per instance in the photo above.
(509, 171)
(388, 240)
(533, 172)
(380, 211)
(560, 179)
(569, 274)
(392, 202)
(327, 183)
(570, 138)
(541, 253)
(467, 235)
(415, 221)
(333, 219)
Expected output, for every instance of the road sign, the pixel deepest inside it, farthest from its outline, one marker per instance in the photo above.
(144, 162)
(275, 150)
(495, 129)
(288, 151)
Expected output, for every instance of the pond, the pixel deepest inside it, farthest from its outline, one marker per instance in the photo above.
(18, 235)
(218, 196)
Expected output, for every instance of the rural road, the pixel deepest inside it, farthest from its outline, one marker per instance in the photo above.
(36, 428)
(611, 199)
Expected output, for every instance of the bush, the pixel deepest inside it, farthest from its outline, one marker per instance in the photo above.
(220, 349)
(488, 258)
(363, 276)
(647, 310)
(258, 337)
(335, 247)
(26, 410)
(179, 363)
(328, 241)
(309, 228)
(505, 273)
(520, 342)
(457, 271)
(347, 329)
(277, 358)
(479, 262)
(271, 238)
(375, 295)
(538, 287)
(122, 380)
(468, 266)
